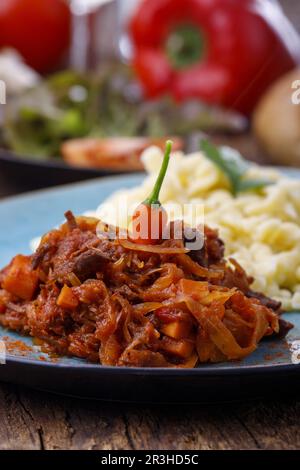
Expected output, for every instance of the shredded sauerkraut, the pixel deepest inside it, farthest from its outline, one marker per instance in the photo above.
(121, 304)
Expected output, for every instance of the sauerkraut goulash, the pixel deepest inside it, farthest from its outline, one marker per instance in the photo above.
(136, 300)
(122, 303)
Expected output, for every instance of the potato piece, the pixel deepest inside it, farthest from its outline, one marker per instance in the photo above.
(118, 153)
(276, 122)
(67, 299)
(177, 329)
(20, 279)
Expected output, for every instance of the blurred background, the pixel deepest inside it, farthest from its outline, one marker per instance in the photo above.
(87, 85)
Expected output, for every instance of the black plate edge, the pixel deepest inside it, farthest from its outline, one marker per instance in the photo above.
(205, 370)
(56, 163)
(110, 178)
(63, 187)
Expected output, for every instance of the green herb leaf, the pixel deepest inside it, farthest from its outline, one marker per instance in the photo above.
(234, 167)
(253, 185)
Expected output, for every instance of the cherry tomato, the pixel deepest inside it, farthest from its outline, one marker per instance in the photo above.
(150, 218)
(148, 223)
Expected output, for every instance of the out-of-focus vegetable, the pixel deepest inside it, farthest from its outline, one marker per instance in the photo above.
(103, 105)
(16, 75)
(234, 167)
(221, 51)
(39, 30)
(122, 153)
(150, 218)
(276, 121)
(60, 108)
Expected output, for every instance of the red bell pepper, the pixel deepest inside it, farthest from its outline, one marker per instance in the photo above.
(223, 52)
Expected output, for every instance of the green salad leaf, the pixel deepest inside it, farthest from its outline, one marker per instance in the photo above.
(234, 167)
(103, 103)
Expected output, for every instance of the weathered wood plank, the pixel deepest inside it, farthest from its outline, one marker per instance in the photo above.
(73, 424)
(17, 427)
(274, 424)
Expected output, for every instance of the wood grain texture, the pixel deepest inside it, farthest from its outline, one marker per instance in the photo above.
(36, 420)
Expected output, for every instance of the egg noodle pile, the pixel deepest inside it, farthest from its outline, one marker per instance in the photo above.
(261, 229)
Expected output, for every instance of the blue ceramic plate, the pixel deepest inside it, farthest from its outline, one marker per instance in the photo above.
(268, 370)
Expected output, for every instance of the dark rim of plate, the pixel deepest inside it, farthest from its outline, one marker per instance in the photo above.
(200, 370)
(55, 163)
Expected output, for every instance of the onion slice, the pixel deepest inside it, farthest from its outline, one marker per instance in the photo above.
(147, 307)
(157, 249)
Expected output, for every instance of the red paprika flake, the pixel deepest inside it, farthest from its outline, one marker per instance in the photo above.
(224, 52)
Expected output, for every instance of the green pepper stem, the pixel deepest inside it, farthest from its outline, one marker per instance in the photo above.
(154, 196)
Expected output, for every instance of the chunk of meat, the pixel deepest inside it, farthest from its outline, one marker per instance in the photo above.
(212, 251)
(89, 263)
(270, 303)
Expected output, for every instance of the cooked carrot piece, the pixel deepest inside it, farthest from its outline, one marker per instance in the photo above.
(177, 329)
(21, 280)
(67, 299)
(181, 348)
